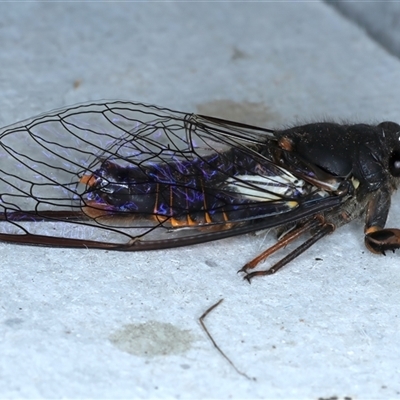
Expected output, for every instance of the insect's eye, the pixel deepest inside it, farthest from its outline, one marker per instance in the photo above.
(389, 126)
(394, 164)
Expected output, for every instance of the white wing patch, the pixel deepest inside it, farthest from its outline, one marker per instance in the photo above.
(267, 188)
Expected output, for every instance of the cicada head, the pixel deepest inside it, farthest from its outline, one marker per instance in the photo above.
(391, 132)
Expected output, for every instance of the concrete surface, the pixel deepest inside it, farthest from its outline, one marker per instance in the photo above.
(379, 19)
(98, 324)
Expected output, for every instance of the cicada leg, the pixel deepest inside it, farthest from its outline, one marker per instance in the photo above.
(377, 239)
(318, 227)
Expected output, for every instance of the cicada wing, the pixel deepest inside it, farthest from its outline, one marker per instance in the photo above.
(208, 177)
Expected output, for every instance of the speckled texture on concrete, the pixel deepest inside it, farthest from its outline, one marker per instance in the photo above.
(76, 323)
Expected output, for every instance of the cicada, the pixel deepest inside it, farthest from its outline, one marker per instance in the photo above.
(128, 176)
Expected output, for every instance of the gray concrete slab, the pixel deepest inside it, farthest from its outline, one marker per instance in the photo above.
(380, 19)
(102, 324)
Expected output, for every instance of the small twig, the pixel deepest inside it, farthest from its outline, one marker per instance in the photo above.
(201, 319)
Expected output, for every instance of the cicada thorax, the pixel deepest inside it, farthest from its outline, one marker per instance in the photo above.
(359, 152)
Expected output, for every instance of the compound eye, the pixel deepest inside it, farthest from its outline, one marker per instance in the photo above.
(394, 164)
(389, 126)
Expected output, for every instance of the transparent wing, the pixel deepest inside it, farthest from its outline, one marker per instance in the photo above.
(132, 176)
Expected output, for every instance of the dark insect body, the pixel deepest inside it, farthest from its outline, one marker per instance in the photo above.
(127, 176)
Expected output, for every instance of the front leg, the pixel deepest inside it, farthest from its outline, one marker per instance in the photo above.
(382, 240)
(377, 239)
